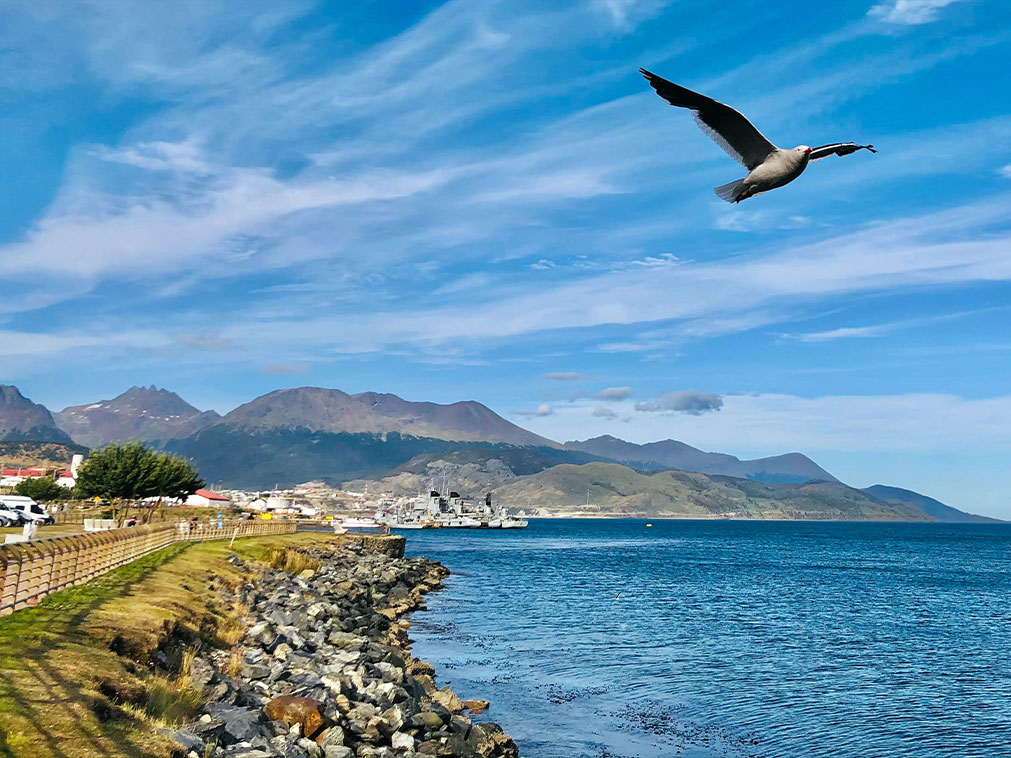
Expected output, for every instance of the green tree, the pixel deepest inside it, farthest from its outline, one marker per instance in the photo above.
(41, 489)
(119, 471)
(176, 478)
(133, 471)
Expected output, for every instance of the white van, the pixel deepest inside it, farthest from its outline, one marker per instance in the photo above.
(27, 507)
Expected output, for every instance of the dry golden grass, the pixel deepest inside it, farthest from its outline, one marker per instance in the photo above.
(290, 560)
(73, 683)
(234, 661)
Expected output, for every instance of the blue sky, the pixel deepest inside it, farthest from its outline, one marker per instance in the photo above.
(483, 200)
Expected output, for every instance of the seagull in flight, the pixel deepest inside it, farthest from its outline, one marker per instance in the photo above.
(768, 166)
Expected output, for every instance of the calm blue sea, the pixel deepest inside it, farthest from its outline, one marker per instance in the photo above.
(607, 639)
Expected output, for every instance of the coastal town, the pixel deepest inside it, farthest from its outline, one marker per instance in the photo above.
(344, 510)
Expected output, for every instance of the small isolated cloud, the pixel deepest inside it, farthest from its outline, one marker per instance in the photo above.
(605, 413)
(691, 402)
(908, 12)
(543, 265)
(202, 342)
(285, 368)
(625, 14)
(735, 220)
(563, 376)
(742, 221)
(1005, 171)
(654, 261)
(614, 393)
(542, 410)
(846, 332)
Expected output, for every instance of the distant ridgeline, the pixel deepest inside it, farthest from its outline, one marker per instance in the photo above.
(261, 458)
(26, 454)
(310, 433)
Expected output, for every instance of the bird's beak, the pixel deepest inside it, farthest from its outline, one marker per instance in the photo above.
(808, 151)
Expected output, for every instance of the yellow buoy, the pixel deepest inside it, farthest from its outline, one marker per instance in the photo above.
(649, 525)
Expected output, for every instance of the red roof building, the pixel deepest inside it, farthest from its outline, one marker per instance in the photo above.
(207, 497)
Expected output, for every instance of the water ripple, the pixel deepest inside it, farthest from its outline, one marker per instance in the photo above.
(602, 639)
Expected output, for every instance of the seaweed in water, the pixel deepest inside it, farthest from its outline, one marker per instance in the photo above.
(558, 695)
(668, 724)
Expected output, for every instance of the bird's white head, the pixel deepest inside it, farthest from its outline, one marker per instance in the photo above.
(803, 149)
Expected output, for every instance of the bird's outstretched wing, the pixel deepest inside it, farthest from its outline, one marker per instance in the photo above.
(837, 148)
(725, 126)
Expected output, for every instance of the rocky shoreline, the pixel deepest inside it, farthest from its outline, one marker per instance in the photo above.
(324, 669)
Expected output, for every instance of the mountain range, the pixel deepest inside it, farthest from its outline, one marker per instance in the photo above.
(933, 508)
(668, 454)
(615, 489)
(147, 414)
(336, 412)
(21, 419)
(311, 433)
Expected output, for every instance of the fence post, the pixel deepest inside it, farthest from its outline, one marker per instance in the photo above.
(8, 582)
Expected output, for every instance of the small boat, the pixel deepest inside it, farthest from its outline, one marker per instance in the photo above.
(407, 525)
(462, 522)
(360, 524)
(513, 523)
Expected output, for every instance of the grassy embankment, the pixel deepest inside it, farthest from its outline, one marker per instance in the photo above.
(76, 679)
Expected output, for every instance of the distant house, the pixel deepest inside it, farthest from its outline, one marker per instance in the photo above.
(207, 499)
(11, 477)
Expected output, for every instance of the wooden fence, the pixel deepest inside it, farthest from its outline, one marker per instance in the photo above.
(31, 570)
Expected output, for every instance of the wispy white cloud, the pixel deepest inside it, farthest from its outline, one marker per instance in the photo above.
(880, 330)
(564, 376)
(909, 12)
(625, 14)
(197, 213)
(954, 246)
(209, 204)
(844, 332)
(1005, 171)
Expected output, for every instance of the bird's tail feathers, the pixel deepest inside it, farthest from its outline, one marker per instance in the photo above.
(730, 191)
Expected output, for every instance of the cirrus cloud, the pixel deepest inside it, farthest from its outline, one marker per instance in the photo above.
(909, 12)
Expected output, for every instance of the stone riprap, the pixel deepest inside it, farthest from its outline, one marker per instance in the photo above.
(324, 669)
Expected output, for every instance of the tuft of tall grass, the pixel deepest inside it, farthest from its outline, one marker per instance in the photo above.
(291, 560)
(171, 701)
(235, 660)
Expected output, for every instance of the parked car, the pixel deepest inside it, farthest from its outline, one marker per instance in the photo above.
(27, 508)
(11, 517)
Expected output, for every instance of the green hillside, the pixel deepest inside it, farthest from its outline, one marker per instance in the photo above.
(18, 454)
(618, 490)
(928, 505)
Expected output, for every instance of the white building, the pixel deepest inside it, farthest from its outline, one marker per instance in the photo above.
(207, 499)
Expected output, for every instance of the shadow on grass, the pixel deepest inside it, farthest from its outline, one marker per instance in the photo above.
(37, 685)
